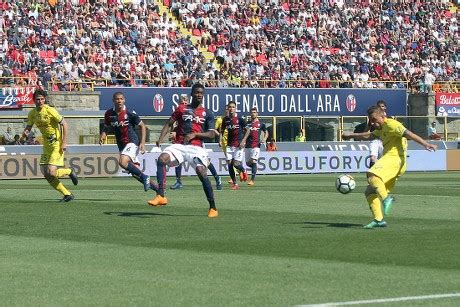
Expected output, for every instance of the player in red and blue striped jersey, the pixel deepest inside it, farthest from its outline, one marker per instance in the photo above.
(194, 123)
(252, 138)
(235, 144)
(122, 122)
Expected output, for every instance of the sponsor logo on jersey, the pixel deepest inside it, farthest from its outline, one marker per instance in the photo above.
(191, 118)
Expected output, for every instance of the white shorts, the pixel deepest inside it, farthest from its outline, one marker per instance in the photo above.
(235, 153)
(376, 148)
(131, 150)
(252, 153)
(194, 155)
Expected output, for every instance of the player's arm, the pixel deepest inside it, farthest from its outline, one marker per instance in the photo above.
(358, 136)
(222, 131)
(165, 130)
(64, 128)
(414, 137)
(245, 137)
(142, 140)
(103, 135)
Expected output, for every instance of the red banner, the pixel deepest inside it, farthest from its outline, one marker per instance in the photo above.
(447, 104)
(16, 97)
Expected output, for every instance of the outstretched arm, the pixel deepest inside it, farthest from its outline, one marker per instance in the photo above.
(165, 130)
(414, 137)
(358, 136)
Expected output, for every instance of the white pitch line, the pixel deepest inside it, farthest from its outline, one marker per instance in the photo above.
(387, 300)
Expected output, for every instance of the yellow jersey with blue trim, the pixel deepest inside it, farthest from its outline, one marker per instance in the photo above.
(392, 136)
(47, 120)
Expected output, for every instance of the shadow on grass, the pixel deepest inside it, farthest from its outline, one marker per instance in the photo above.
(327, 224)
(145, 214)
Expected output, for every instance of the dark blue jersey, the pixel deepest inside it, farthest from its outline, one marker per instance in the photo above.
(123, 125)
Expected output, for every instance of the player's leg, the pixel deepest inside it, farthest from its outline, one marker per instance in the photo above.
(178, 183)
(51, 159)
(65, 171)
(231, 170)
(127, 161)
(213, 171)
(49, 171)
(238, 163)
(253, 156)
(375, 206)
(201, 171)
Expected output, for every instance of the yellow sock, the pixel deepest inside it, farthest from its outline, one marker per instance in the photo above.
(375, 206)
(55, 183)
(63, 172)
(379, 187)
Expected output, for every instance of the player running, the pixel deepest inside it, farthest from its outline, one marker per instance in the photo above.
(235, 145)
(383, 175)
(54, 130)
(194, 124)
(123, 122)
(252, 139)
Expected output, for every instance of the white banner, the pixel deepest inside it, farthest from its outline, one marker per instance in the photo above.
(302, 162)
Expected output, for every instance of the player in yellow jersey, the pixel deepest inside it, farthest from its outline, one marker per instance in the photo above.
(383, 174)
(54, 131)
(224, 138)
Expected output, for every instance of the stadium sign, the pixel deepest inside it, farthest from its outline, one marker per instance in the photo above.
(279, 162)
(16, 97)
(447, 104)
(155, 101)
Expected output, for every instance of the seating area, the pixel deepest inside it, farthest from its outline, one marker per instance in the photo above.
(257, 43)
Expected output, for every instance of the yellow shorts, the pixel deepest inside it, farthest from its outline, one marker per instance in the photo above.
(52, 155)
(389, 167)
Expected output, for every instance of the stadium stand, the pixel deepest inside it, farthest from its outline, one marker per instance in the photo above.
(256, 43)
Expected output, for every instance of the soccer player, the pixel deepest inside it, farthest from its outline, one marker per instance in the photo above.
(376, 145)
(235, 145)
(54, 130)
(252, 139)
(178, 170)
(123, 122)
(383, 175)
(195, 123)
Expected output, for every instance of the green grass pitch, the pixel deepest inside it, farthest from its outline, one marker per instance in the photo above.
(289, 240)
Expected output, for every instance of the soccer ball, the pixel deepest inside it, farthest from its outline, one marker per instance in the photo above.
(345, 184)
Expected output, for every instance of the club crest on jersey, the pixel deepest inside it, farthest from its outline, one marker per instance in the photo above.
(191, 118)
(158, 103)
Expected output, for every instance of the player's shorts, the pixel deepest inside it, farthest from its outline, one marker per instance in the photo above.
(376, 148)
(389, 167)
(131, 150)
(194, 155)
(52, 155)
(252, 153)
(235, 153)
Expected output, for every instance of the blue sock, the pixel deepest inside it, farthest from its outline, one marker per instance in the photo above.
(179, 173)
(254, 170)
(132, 168)
(231, 171)
(213, 171)
(161, 177)
(240, 168)
(207, 187)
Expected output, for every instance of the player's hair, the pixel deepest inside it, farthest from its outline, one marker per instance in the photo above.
(381, 102)
(197, 85)
(254, 109)
(116, 94)
(231, 102)
(374, 109)
(39, 92)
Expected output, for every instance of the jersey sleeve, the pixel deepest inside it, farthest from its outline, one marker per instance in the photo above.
(396, 128)
(243, 122)
(263, 127)
(177, 114)
(30, 119)
(134, 118)
(209, 122)
(54, 114)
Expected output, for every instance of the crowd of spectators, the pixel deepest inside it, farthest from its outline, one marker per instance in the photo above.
(256, 43)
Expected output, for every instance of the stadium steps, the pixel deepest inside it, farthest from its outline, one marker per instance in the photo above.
(184, 31)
